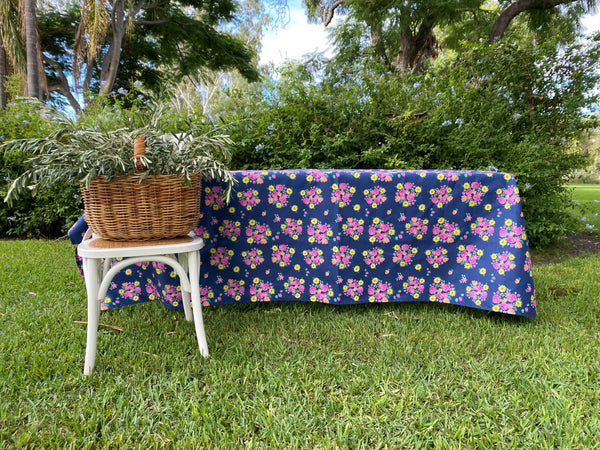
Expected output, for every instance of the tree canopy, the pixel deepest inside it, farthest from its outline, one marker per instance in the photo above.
(91, 46)
(405, 34)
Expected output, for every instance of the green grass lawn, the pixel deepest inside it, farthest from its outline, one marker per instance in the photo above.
(296, 375)
(587, 206)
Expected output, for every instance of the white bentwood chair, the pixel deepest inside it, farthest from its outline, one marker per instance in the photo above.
(97, 255)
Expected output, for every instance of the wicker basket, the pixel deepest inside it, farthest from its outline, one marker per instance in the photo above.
(159, 207)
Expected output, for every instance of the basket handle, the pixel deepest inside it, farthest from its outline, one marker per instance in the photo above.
(139, 151)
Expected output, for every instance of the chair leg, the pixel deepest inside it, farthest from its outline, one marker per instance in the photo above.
(185, 296)
(91, 269)
(194, 274)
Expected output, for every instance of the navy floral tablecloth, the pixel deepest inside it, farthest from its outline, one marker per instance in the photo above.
(347, 237)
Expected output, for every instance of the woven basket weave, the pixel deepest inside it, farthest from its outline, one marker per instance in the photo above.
(159, 207)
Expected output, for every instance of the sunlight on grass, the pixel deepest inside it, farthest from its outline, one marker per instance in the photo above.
(587, 206)
(296, 375)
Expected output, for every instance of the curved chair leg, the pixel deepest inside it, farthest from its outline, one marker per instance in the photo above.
(194, 272)
(91, 269)
(185, 295)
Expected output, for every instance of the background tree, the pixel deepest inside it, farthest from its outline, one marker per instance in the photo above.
(211, 90)
(31, 46)
(404, 35)
(3, 70)
(116, 44)
(12, 50)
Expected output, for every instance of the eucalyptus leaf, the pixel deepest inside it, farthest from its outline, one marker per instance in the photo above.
(77, 151)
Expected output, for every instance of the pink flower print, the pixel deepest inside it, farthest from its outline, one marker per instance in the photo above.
(450, 176)
(282, 255)
(249, 198)
(214, 196)
(404, 254)
(527, 265)
(278, 195)
(151, 289)
(512, 234)
(414, 286)
(230, 229)
(220, 257)
(206, 295)
(417, 227)
(353, 227)
(234, 288)
(379, 291)
(320, 292)
(311, 197)
(294, 286)
(353, 289)
(508, 196)
(473, 193)
(202, 231)
(253, 177)
(407, 193)
(477, 292)
(316, 175)
(505, 301)
(445, 231)
(172, 294)
(253, 258)
(158, 267)
(437, 256)
(503, 262)
(482, 227)
(318, 232)
(468, 256)
(313, 257)
(257, 233)
(373, 257)
(342, 193)
(381, 176)
(261, 291)
(131, 290)
(440, 291)
(342, 256)
(292, 228)
(375, 196)
(380, 231)
(441, 196)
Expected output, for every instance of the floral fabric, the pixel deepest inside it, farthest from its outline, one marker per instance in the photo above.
(346, 237)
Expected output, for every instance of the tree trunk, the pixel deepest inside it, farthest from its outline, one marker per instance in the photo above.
(110, 65)
(63, 87)
(3, 71)
(33, 76)
(378, 44)
(517, 8)
(416, 48)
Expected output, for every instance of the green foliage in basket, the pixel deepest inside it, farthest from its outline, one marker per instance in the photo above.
(76, 150)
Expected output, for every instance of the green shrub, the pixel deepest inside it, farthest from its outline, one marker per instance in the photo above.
(52, 210)
(491, 108)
